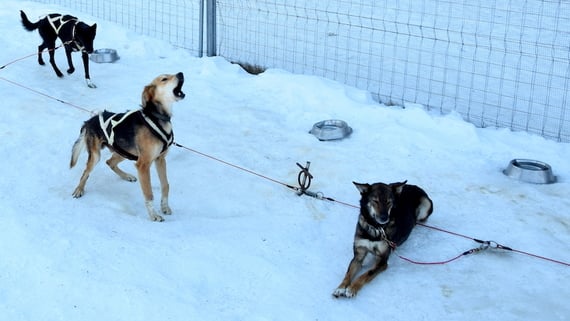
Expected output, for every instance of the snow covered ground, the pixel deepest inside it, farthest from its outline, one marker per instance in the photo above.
(240, 247)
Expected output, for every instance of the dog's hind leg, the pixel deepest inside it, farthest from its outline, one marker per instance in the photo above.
(424, 209)
(113, 163)
(160, 164)
(92, 160)
(40, 50)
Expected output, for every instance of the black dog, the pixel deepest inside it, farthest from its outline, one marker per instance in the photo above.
(75, 35)
(388, 213)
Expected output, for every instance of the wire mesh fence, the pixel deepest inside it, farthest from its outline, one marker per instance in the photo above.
(503, 63)
(175, 21)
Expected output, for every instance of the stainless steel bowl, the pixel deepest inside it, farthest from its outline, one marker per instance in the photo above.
(331, 129)
(104, 55)
(530, 171)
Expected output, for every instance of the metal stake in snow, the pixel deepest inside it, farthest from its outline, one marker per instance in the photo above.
(304, 179)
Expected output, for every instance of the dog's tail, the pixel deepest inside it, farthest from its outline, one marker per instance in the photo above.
(28, 25)
(78, 147)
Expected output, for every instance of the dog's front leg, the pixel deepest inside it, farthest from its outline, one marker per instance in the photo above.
(143, 168)
(160, 164)
(85, 58)
(355, 265)
(380, 264)
(68, 51)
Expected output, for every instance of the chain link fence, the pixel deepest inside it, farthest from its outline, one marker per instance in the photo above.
(499, 63)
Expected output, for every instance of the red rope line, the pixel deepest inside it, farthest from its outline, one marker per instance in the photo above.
(354, 206)
(46, 95)
(541, 257)
(232, 165)
(25, 57)
(287, 185)
(430, 263)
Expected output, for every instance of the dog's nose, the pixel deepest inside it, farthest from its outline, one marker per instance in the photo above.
(180, 76)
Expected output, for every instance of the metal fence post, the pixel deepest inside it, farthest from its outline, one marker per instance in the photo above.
(211, 28)
(201, 30)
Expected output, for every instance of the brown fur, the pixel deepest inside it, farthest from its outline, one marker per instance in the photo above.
(145, 145)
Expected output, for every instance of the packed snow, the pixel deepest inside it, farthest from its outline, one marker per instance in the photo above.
(240, 245)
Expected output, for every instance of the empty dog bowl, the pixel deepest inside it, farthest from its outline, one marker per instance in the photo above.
(331, 129)
(104, 55)
(530, 171)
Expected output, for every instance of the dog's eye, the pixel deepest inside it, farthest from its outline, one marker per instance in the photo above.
(164, 79)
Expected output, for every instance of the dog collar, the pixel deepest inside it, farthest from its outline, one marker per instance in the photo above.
(375, 232)
(160, 116)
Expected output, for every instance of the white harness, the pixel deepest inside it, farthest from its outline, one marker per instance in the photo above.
(53, 21)
(108, 127)
(105, 124)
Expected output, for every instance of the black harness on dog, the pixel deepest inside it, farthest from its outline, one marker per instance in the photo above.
(110, 124)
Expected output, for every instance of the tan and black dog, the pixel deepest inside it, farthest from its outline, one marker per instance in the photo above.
(142, 135)
(388, 213)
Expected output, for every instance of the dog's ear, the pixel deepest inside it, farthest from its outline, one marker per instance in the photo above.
(94, 27)
(362, 188)
(148, 94)
(397, 187)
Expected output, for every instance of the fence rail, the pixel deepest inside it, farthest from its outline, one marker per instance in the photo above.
(503, 63)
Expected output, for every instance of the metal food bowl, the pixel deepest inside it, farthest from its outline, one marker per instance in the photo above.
(331, 129)
(530, 171)
(104, 56)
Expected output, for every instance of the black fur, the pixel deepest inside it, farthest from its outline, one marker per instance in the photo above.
(388, 213)
(402, 217)
(75, 35)
(124, 132)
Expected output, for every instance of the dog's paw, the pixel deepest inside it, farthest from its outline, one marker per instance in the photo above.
(129, 178)
(78, 192)
(70, 70)
(339, 292)
(90, 84)
(349, 293)
(166, 210)
(152, 213)
(164, 207)
(156, 218)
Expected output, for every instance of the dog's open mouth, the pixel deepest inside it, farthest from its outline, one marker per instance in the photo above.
(177, 91)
